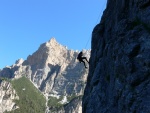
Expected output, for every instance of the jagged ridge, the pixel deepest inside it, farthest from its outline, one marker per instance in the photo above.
(54, 70)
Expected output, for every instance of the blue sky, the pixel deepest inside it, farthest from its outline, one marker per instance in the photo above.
(25, 24)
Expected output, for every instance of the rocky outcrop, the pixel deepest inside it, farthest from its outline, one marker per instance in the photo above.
(75, 106)
(14, 71)
(7, 95)
(119, 74)
(55, 71)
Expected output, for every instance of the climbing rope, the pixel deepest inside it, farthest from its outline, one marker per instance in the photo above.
(87, 42)
(96, 23)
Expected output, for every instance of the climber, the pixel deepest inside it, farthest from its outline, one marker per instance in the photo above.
(81, 58)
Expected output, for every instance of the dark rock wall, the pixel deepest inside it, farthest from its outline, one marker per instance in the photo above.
(119, 74)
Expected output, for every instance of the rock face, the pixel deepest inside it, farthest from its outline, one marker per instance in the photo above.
(7, 95)
(119, 74)
(55, 71)
(53, 68)
(73, 105)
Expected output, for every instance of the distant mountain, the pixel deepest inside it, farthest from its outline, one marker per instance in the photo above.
(55, 71)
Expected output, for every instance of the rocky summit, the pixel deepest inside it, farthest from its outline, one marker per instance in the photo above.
(119, 74)
(55, 71)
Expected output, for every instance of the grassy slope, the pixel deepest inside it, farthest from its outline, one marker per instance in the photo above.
(30, 99)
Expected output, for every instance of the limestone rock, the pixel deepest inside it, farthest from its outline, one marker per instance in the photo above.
(53, 68)
(7, 95)
(75, 106)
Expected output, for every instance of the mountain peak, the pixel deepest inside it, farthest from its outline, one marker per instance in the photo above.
(52, 40)
(19, 61)
(52, 43)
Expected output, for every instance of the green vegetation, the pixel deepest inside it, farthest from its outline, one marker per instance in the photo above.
(54, 102)
(4, 79)
(30, 99)
(70, 98)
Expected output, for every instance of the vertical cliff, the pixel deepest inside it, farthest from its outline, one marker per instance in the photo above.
(119, 74)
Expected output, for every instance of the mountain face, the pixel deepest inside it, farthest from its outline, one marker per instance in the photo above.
(55, 71)
(119, 73)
